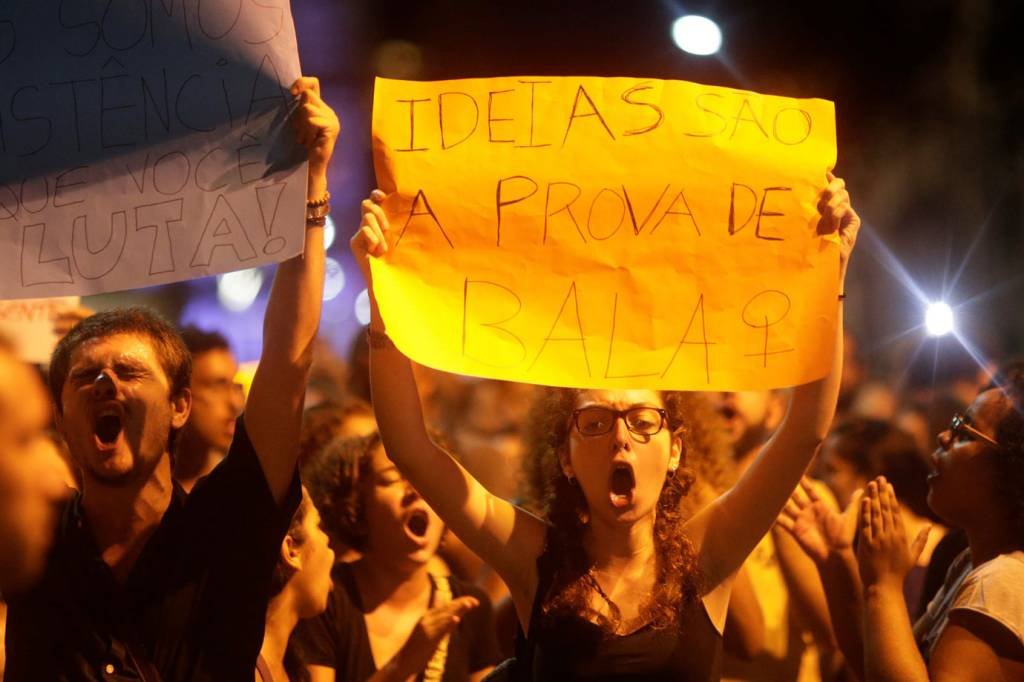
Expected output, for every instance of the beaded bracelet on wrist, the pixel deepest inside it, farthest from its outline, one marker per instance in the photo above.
(317, 210)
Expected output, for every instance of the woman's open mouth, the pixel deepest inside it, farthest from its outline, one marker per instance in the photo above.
(621, 485)
(417, 523)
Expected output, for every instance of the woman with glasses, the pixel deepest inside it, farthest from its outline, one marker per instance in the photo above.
(974, 627)
(613, 583)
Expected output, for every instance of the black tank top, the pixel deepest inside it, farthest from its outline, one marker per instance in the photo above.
(573, 648)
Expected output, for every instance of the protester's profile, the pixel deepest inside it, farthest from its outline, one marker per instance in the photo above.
(975, 624)
(299, 590)
(973, 629)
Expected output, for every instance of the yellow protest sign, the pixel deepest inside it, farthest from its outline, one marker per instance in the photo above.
(606, 232)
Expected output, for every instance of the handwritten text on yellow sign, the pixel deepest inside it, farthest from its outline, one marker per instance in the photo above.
(606, 232)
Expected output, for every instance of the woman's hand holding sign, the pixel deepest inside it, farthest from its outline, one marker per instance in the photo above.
(371, 238)
(837, 215)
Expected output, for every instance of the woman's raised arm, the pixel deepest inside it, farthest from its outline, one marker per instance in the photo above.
(826, 536)
(728, 529)
(507, 537)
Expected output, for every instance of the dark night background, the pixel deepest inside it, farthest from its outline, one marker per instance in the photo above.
(929, 104)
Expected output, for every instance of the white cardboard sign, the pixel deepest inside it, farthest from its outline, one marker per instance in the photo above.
(145, 142)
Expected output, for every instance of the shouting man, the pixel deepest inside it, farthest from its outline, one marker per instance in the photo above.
(144, 581)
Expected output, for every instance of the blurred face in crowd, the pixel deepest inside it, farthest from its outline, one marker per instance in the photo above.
(620, 471)
(838, 473)
(746, 415)
(118, 412)
(357, 424)
(217, 399)
(962, 484)
(916, 424)
(31, 475)
(313, 560)
(853, 369)
(402, 527)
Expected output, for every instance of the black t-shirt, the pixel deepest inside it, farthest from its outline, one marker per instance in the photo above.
(194, 604)
(338, 638)
(570, 647)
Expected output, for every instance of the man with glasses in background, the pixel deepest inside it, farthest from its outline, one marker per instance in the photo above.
(217, 400)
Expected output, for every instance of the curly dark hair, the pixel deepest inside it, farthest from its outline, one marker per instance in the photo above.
(333, 475)
(563, 505)
(1010, 435)
(336, 475)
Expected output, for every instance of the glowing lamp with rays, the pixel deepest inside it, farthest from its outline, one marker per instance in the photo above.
(697, 35)
(938, 318)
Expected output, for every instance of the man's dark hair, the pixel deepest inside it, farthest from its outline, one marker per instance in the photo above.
(170, 350)
(199, 341)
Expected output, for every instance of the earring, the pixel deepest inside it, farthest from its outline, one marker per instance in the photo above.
(671, 474)
(571, 479)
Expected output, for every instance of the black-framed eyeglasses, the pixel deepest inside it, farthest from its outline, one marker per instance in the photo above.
(598, 420)
(961, 423)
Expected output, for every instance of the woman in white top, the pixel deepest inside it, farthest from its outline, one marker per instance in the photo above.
(974, 627)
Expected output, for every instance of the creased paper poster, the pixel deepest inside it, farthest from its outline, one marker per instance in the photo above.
(606, 232)
(28, 324)
(145, 142)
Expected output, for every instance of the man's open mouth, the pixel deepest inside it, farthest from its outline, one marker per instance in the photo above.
(621, 485)
(108, 428)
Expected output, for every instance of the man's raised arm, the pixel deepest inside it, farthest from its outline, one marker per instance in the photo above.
(273, 411)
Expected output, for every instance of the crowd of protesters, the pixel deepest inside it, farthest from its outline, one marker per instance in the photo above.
(158, 523)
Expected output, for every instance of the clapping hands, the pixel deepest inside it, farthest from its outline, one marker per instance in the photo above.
(819, 530)
(884, 554)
